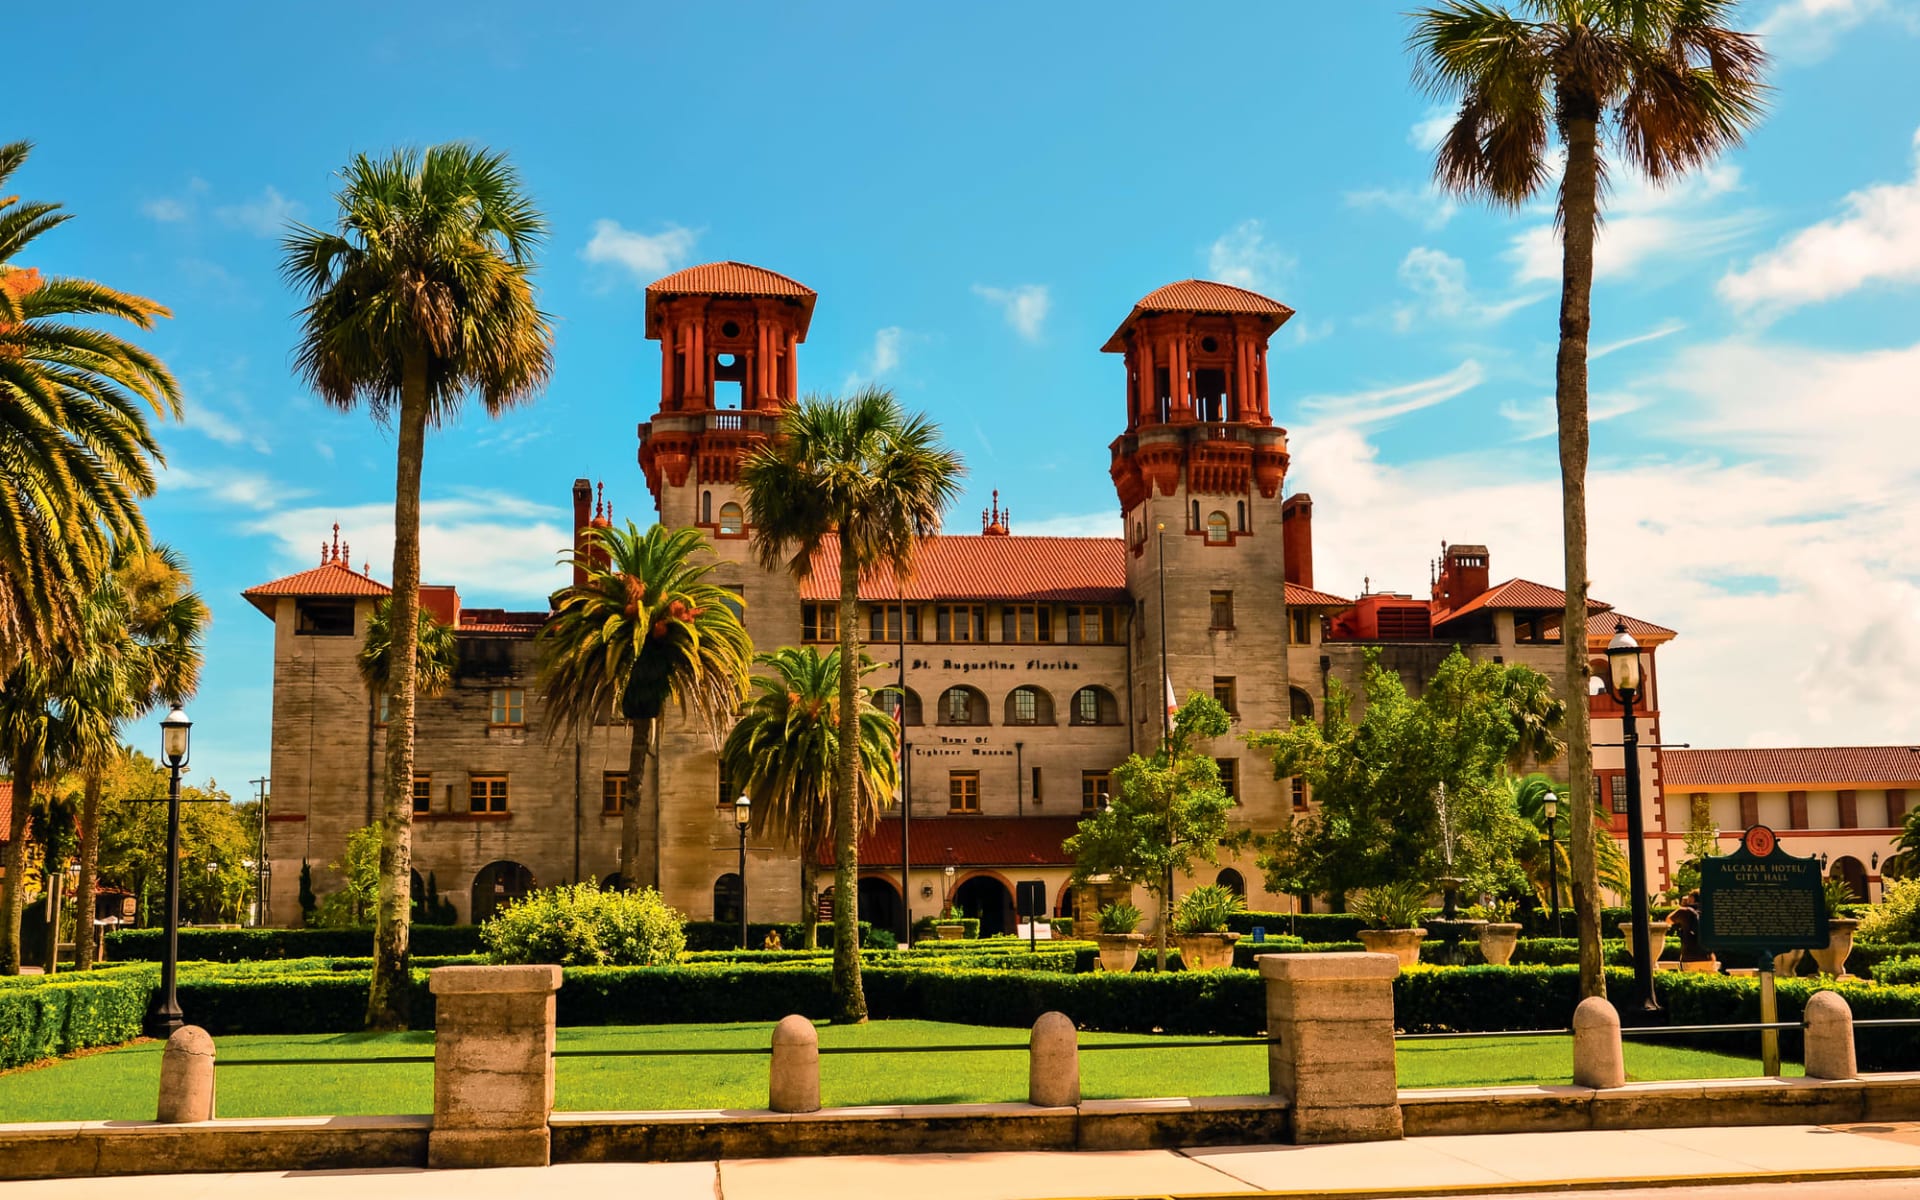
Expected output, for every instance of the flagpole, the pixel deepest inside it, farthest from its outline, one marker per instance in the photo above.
(906, 798)
(1160, 569)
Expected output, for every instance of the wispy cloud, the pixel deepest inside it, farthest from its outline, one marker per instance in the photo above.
(1025, 307)
(1432, 126)
(645, 256)
(208, 421)
(1428, 207)
(1644, 224)
(1805, 31)
(1540, 418)
(179, 208)
(1244, 257)
(1438, 282)
(1664, 329)
(1383, 404)
(266, 216)
(239, 489)
(1875, 240)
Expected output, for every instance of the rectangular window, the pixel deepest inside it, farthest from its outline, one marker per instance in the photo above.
(820, 623)
(422, 793)
(1223, 691)
(323, 618)
(1229, 777)
(1220, 607)
(883, 623)
(1613, 786)
(487, 793)
(509, 707)
(1036, 785)
(1299, 794)
(1299, 628)
(613, 793)
(963, 791)
(1026, 623)
(961, 623)
(386, 708)
(1090, 624)
(1096, 789)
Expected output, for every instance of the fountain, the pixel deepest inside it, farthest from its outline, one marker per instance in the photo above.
(1449, 927)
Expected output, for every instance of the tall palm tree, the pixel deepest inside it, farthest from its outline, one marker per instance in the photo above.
(1546, 859)
(784, 752)
(436, 654)
(1677, 86)
(861, 469)
(1537, 717)
(76, 452)
(30, 736)
(422, 294)
(644, 628)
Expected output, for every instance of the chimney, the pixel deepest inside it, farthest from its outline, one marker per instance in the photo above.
(582, 514)
(1296, 535)
(1464, 574)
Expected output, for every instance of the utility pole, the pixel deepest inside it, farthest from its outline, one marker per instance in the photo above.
(262, 868)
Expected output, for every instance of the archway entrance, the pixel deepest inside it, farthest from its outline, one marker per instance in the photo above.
(497, 885)
(988, 901)
(1854, 872)
(879, 903)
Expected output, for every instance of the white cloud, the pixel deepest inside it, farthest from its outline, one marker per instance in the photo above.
(174, 210)
(1642, 223)
(1664, 329)
(1356, 409)
(240, 489)
(1876, 240)
(1438, 281)
(1428, 207)
(1432, 127)
(1804, 31)
(886, 350)
(1025, 307)
(645, 256)
(210, 422)
(267, 216)
(1243, 257)
(1540, 417)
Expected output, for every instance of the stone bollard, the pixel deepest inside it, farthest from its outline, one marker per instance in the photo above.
(1597, 1058)
(186, 1077)
(1053, 1062)
(1830, 1052)
(793, 1077)
(492, 1066)
(1331, 1018)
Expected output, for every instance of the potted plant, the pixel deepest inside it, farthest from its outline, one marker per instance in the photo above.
(1501, 933)
(1200, 927)
(1833, 960)
(1657, 929)
(1392, 913)
(1119, 944)
(948, 927)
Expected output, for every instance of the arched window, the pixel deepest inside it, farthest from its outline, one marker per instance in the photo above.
(963, 705)
(1029, 706)
(1231, 880)
(1095, 706)
(1302, 704)
(887, 700)
(726, 899)
(731, 521)
(1217, 531)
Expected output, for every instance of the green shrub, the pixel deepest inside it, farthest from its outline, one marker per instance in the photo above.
(923, 928)
(582, 925)
(1897, 917)
(1119, 917)
(1897, 971)
(725, 935)
(246, 945)
(1392, 906)
(293, 1002)
(1206, 909)
(1309, 927)
(44, 1018)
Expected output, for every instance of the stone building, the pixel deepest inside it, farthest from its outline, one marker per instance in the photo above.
(1031, 666)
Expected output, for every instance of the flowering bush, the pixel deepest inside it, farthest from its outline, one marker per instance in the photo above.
(1897, 917)
(579, 925)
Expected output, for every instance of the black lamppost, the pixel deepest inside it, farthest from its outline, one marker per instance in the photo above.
(1623, 671)
(742, 810)
(1552, 807)
(174, 744)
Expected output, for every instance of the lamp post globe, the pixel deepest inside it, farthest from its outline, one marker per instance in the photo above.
(742, 813)
(175, 738)
(1623, 659)
(175, 747)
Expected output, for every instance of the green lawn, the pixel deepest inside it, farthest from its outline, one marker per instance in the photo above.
(121, 1084)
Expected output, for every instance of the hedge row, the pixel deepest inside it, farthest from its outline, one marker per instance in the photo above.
(72, 1012)
(244, 945)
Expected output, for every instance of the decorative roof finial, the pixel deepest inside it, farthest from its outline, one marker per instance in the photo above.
(602, 498)
(1366, 585)
(995, 522)
(346, 556)
(336, 542)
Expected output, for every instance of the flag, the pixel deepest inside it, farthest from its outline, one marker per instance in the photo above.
(1173, 705)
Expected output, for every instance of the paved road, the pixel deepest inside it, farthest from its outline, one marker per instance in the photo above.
(1850, 1189)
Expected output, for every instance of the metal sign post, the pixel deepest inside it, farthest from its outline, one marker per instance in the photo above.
(1031, 895)
(1762, 902)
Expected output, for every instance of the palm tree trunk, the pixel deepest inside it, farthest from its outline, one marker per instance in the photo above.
(53, 876)
(1579, 198)
(13, 901)
(84, 893)
(809, 886)
(387, 999)
(1160, 933)
(850, 997)
(640, 820)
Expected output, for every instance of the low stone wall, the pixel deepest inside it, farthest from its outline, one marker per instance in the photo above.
(1431, 1112)
(68, 1149)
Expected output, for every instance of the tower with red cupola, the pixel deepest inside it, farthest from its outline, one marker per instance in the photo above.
(1199, 471)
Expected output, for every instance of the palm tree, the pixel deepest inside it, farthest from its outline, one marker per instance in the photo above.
(436, 654)
(1551, 842)
(644, 628)
(29, 738)
(1677, 86)
(786, 747)
(863, 469)
(422, 294)
(1537, 717)
(76, 453)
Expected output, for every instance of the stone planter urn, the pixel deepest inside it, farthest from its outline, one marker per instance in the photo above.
(1656, 937)
(1833, 960)
(1497, 943)
(1119, 950)
(1784, 964)
(1206, 951)
(1403, 944)
(946, 932)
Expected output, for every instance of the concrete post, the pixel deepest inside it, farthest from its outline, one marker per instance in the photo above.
(1331, 1016)
(1830, 1053)
(1053, 1062)
(1597, 1057)
(186, 1077)
(793, 1077)
(492, 1066)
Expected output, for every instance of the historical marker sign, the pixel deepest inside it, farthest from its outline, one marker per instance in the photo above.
(1760, 901)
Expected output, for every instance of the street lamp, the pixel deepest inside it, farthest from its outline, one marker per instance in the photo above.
(1624, 675)
(174, 745)
(947, 905)
(1552, 807)
(742, 810)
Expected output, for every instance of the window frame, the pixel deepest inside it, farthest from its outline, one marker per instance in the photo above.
(613, 785)
(422, 792)
(501, 702)
(963, 786)
(944, 624)
(1026, 624)
(1094, 787)
(884, 624)
(483, 781)
(1229, 769)
(1299, 627)
(946, 709)
(1230, 684)
(1099, 695)
(811, 623)
(1219, 603)
(1218, 529)
(720, 529)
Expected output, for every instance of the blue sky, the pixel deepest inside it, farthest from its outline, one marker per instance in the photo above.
(979, 193)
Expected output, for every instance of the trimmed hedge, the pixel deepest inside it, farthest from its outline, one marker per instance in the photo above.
(50, 1017)
(293, 1002)
(245, 945)
(923, 928)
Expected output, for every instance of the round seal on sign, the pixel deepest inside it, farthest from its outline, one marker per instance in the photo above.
(1760, 841)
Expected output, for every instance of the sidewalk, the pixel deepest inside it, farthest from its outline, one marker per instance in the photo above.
(1479, 1163)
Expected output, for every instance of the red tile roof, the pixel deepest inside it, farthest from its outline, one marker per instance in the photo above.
(1600, 629)
(1523, 594)
(1201, 296)
(1789, 767)
(500, 623)
(969, 842)
(970, 566)
(1311, 598)
(328, 579)
(732, 279)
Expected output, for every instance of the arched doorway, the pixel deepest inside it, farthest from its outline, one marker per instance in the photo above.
(987, 900)
(726, 899)
(497, 885)
(879, 902)
(1854, 872)
(1231, 880)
